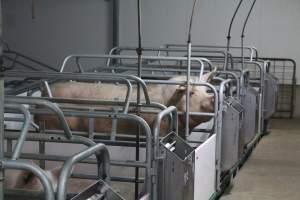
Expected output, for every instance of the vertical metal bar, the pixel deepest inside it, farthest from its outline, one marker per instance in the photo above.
(1, 134)
(243, 33)
(1, 112)
(42, 147)
(189, 49)
(91, 125)
(293, 88)
(116, 22)
(114, 126)
(230, 27)
(187, 117)
(139, 53)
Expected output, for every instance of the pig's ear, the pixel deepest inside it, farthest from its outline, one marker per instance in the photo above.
(209, 76)
(177, 96)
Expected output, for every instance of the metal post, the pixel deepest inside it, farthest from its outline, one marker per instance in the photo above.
(115, 30)
(1, 112)
(139, 51)
(187, 117)
(1, 134)
(189, 49)
(42, 145)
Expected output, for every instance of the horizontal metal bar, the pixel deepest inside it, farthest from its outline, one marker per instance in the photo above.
(113, 178)
(48, 157)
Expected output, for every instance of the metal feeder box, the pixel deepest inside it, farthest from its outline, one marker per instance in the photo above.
(98, 191)
(270, 95)
(250, 104)
(185, 173)
(232, 144)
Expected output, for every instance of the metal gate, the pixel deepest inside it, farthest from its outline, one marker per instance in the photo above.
(285, 70)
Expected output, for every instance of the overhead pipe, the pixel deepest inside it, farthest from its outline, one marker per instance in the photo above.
(189, 53)
(243, 33)
(230, 28)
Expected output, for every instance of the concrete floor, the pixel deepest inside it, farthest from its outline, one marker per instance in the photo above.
(273, 170)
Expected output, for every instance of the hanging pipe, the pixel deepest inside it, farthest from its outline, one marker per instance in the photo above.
(243, 33)
(230, 27)
(189, 53)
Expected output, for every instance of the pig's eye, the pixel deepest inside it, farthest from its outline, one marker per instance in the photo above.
(192, 93)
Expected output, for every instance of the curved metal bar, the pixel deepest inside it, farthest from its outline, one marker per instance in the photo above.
(250, 49)
(21, 165)
(156, 127)
(162, 49)
(247, 18)
(237, 80)
(24, 131)
(68, 58)
(254, 50)
(231, 23)
(68, 165)
(48, 89)
(111, 52)
(77, 76)
(54, 108)
(79, 65)
(156, 132)
(189, 39)
(243, 33)
(94, 114)
(219, 132)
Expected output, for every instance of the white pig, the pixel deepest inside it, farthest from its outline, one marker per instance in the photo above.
(200, 101)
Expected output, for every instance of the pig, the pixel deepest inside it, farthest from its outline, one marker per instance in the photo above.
(19, 179)
(169, 95)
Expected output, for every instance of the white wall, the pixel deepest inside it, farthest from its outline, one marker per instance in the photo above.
(61, 27)
(274, 27)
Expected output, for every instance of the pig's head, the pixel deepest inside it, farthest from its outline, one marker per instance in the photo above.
(200, 100)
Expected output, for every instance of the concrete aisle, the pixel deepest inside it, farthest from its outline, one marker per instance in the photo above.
(273, 170)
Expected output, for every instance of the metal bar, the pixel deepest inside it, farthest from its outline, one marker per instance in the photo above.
(113, 178)
(155, 58)
(2, 93)
(20, 165)
(231, 23)
(54, 108)
(116, 23)
(219, 133)
(167, 50)
(24, 130)
(31, 59)
(60, 158)
(250, 49)
(156, 132)
(97, 102)
(243, 33)
(77, 76)
(68, 165)
(1, 130)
